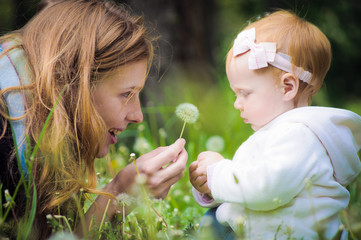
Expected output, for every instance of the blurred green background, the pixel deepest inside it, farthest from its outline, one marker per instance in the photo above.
(196, 35)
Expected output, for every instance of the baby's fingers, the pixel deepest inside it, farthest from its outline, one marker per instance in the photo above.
(193, 166)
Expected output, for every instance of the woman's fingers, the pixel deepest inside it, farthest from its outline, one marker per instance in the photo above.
(170, 172)
(159, 180)
(164, 156)
(161, 189)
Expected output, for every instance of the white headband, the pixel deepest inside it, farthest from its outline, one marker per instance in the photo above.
(264, 53)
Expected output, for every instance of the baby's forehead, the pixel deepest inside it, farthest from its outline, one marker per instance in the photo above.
(230, 60)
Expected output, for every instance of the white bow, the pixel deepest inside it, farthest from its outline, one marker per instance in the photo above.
(264, 53)
(260, 54)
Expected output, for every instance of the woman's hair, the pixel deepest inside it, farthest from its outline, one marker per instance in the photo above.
(70, 45)
(307, 46)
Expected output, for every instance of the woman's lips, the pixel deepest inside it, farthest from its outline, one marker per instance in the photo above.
(113, 138)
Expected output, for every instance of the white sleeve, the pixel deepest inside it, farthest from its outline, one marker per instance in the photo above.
(277, 175)
(202, 200)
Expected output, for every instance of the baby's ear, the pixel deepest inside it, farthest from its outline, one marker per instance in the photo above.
(289, 86)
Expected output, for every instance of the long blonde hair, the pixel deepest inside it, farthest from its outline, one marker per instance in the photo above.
(307, 46)
(70, 45)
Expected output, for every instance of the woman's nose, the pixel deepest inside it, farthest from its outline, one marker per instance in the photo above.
(135, 114)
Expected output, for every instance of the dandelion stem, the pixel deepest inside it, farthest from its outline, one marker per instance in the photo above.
(123, 220)
(105, 213)
(166, 225)
(65, 220)
(184, 124)
(136, 168)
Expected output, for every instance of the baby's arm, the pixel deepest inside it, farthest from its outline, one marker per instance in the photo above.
(198, 170)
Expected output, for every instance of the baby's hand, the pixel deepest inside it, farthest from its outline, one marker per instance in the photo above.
(198, 170)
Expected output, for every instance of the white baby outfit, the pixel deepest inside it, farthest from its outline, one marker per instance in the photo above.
(289, 177)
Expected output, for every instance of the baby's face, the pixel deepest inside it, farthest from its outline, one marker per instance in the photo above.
(259, 98)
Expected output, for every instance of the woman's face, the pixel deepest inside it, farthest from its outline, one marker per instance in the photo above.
(111, 97)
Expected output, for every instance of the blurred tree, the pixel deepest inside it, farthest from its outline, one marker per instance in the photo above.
(185, 30)
(6, 16)
(196, 35)
(24, 10)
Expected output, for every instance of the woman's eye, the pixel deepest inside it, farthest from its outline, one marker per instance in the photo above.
(126, 95)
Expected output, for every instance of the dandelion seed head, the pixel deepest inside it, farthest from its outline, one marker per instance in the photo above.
(63, 235)
(141, 128)
(187, 112)
(7, 192)
(177, 192)
(7, 195)
(140, 179)
(215, 144)
(240, 220)
(123, 148)
(162, 133)
(207, 220)
(132, 157)
(277, 201)
(142, 145)
(125, 199)
(308, 183)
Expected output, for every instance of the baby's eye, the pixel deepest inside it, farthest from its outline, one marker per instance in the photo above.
(244, 93)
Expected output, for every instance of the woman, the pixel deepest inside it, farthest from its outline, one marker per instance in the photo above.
(86, 61)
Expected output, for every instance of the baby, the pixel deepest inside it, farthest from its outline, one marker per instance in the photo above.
(287, 180)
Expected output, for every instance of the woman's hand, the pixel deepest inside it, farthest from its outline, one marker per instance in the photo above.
(198, 170)
(159, 179)
(163, 167)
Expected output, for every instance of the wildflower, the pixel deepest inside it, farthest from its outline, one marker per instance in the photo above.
(63, 235)
(277, 201)
(142, 145)
(162, 133)
(188, 113)
(177, 193)
(215, 143)
(132, 157)
(141, 128)
(162, 136)
(8, 198)
(140, 179)
(235, 178)
(308, 183)
(124, 199)
(240, 220)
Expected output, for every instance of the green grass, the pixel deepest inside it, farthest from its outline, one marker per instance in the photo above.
(178, 215)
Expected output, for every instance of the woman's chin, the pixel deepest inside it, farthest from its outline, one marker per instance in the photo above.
(103, 152)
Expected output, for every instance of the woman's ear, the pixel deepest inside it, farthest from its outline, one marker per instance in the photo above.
(289, 86)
